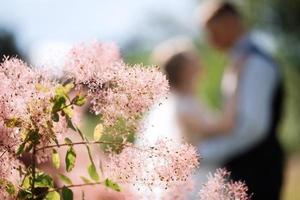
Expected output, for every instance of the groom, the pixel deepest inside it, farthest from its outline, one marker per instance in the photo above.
(250, 148)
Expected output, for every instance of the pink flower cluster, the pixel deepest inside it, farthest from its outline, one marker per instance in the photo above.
(115, 89)
(25, 97)
(218, 187)
(163, 164)
(179, 192)
(8, 172)
(15, 79)
(92, 64)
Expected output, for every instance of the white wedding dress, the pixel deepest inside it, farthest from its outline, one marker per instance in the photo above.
(163, 121)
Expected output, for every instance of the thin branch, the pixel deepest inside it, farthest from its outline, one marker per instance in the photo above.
(3, 153)
(33, 168)
(6, 148)
(76, 185)
(88, 142)
(81, 143)
(70, 104)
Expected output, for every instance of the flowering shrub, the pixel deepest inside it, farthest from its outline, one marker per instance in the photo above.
(218, 187)
(39, 115)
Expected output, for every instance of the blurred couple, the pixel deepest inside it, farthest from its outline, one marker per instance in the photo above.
(242, 138)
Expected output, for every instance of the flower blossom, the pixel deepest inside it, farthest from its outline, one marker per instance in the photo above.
(8, 172)
(162, 164)
(116, 90)
(93, 63)
(180, 191)
(218, 187)
(25, 101)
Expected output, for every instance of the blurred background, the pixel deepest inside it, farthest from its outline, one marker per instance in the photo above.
(43, 31)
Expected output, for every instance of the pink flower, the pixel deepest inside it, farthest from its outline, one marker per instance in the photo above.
(93, 63)
(162, 164)
(25, 97)
(132, 91)
(8, 172)
(180, 191)
(115, 89)
(218, 187)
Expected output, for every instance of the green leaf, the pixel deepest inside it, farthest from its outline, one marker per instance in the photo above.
(55, 159)
(98, 132)
(59, 103)
(10, 188)
(24, 134)
(93, 172)
(63, 90)
(43, 180)
(70, 124)
(53, 196)
(79, 100)
(68, 141)
(67, 194)
(70, 159)
(65, 179)
(68, 87)
(21, 148)
(60, 91)
(56, 141)
(41, 88)
(85, 180)
(33, 136)
(55, 116)
(110, 184)
(68, 111)
(26, 182)
(13, 122)
(24, 194)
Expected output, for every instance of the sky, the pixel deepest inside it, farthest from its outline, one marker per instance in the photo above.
(67, 21)
(47, 28)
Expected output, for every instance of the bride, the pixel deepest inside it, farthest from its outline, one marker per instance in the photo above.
(181, 115)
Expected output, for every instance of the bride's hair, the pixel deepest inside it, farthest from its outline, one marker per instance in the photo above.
(172, 56)
(174, 67)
